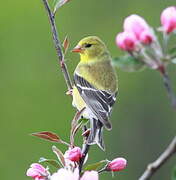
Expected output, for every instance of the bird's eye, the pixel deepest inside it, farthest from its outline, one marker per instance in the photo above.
(88, 45)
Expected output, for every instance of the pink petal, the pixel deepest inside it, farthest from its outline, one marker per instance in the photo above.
(168, 19)
(135, 24)
(32, 173)
(126, 41)
(64, 174)
(117, 164)
(90, 175)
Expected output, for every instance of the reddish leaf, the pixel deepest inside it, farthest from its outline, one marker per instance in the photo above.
(75, 125)
(50, 136)
(66, 44)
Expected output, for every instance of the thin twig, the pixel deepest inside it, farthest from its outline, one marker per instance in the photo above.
(154, 166)
(168, 85)
(85, 149)
(58, 45)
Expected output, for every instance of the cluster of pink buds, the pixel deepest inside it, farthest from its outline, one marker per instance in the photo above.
(136, 30)
(141, 42)
(70, 171)
(37, 172)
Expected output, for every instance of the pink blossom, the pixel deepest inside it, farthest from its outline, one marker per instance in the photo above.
(136, 25)
(74, 154)
(139, 27)
(90, 175)
(126, 41)
(168, 19)
(146, 37)
(37, 172)
(117, 164)
(64, 174)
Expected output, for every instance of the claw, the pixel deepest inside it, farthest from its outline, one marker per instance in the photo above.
(69, 92)
(86, 133)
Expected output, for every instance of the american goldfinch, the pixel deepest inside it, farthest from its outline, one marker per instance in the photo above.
(95, 86)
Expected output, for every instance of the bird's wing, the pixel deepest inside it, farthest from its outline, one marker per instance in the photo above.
(100, 102)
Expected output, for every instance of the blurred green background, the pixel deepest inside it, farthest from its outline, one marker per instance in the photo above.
(32, 89)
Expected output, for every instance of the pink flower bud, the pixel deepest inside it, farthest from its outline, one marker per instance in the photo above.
(117, 164)
(126, 41)
(90, 175)
(168, 19)
(37, 172)
(74, 154)
(136, 25)
(146, 37)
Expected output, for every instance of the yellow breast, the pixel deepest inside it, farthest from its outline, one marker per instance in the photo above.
(77, 102)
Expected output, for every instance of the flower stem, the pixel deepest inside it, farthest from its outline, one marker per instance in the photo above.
(168, 85)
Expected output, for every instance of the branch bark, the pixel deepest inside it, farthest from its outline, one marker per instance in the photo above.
(57, 45)
(85, 150)
(156, 165)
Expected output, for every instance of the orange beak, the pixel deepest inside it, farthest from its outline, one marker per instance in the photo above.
(77, 49)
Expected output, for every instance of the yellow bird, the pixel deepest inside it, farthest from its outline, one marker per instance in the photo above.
(95, 86)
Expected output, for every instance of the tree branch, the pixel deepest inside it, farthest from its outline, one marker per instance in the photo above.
(154, 166)
(60, 55)
(58, 45)
(85, 150)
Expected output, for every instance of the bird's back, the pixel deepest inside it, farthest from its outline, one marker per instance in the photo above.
(100, 74)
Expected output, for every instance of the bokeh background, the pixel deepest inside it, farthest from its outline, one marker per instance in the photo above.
(32, 89)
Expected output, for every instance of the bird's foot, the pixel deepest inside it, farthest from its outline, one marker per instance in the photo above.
(69, 92)
(86, 133)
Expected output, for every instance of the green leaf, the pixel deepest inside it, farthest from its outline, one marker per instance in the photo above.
(128, 63)
(174, 173)
(172, 50)
(49, 161)
(96, 166)
(59, 3)
(83, 121)
(174, 60)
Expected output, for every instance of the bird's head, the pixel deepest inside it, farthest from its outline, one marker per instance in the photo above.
(91, 48)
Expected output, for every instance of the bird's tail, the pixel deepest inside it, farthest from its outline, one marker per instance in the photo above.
(96, 133)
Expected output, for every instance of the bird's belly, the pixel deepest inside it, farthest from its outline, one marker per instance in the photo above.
(79, 103)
